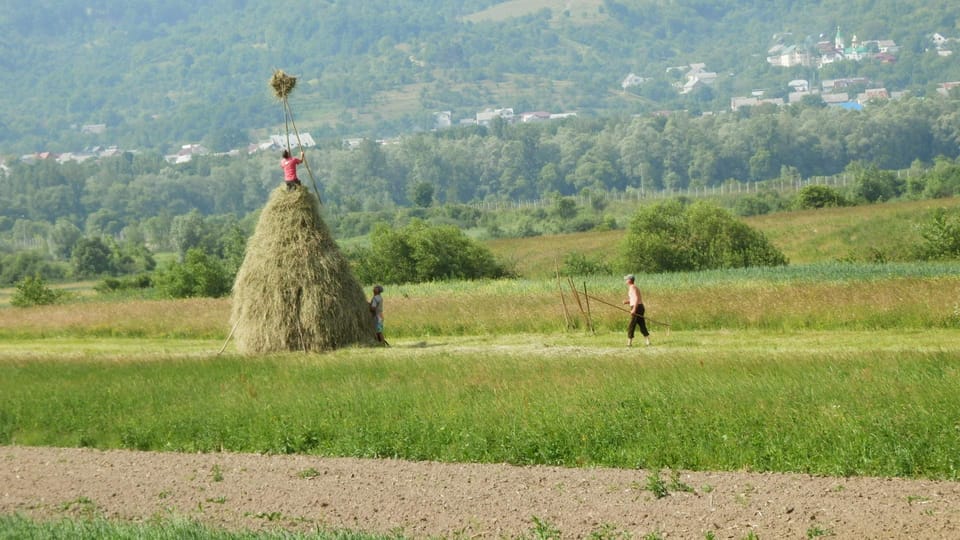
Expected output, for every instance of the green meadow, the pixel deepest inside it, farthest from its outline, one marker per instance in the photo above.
(833, 369)
(827, 368)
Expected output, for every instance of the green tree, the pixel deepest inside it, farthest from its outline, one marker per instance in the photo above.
(672, 236)
(199, 275)
(874, 185)
(422, 194)
(62, 237)
(91, 257)
(421, 252)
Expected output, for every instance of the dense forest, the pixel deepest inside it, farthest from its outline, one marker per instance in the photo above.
(162, 74)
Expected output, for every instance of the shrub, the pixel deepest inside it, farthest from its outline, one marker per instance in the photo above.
(818, 196)
(111, 284)
(33, 291)
(941, 236)
(16, 266)
(672, 236)
(874, 185)
(578, 264)
(198, 275)
(421, 252)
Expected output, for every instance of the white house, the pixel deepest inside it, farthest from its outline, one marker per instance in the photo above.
(486, 116)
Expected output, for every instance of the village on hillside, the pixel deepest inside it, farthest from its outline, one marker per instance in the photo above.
(833, 92)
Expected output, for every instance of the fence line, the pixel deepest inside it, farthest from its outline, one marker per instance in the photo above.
(778, 185)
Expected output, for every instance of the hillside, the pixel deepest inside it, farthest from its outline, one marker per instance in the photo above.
(146, 75)
(807, 236)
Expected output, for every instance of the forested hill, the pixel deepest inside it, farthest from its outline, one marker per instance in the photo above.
(159, 74)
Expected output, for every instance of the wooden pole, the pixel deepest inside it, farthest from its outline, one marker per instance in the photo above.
(621, 308)
(589, 318)
(306, 163)
(230, 335)
(576, 294)
(563, 301)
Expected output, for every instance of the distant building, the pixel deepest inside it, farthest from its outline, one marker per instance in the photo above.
(442, 119)
(631, 80)
(535, 116)
(186, 153)
(486, 116)
(944, 88)
(304, 139)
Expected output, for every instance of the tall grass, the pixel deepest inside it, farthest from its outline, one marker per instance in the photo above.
(825, 296)
(835, 403)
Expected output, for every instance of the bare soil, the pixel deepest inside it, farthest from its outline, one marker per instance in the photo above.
(426, 499)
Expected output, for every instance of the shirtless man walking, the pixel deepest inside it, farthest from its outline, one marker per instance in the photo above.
(636, 311)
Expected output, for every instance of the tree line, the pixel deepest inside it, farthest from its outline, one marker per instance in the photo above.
(121, 210)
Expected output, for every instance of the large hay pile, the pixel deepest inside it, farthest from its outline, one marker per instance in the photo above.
(295, 290)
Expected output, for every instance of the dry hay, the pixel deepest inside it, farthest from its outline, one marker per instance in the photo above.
(295, 290)
(282, 84)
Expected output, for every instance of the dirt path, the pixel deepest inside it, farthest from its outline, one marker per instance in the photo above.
(489, 501)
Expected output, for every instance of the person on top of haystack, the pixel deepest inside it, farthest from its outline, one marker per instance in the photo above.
(376, 310)
(289, 165)
(636, 311)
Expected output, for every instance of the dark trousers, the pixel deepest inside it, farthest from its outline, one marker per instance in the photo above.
(292, 184)
(635, 320)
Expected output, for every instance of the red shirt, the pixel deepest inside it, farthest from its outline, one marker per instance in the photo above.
(290, 168)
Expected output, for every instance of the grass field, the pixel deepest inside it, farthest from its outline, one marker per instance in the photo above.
(806, 236)
(831, 369)
(839, 369)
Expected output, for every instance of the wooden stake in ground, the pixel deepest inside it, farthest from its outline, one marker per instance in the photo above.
(589, 318)
(566, 314)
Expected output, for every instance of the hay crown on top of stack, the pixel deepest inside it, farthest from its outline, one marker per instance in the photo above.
(282, 84)
(295, 290)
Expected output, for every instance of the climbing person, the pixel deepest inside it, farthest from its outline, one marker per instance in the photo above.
(289, 165)
(376, 311)
(635, 302)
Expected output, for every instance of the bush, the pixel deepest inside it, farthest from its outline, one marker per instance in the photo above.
(671, 237)
(578, 264)
(874, 185)
(199, 275)
(111, 284)
(14, 267)
(941, 236)
(421, 252)
(33, 291)
(818, 196)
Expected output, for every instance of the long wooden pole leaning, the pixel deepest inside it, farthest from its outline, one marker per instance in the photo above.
(230, 335)
(621, 308)
(306, 163)
(587, 301)
(566, 314)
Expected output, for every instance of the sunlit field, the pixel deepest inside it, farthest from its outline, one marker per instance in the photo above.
(833, 369)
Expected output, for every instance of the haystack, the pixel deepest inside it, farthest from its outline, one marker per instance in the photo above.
(295, 290)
